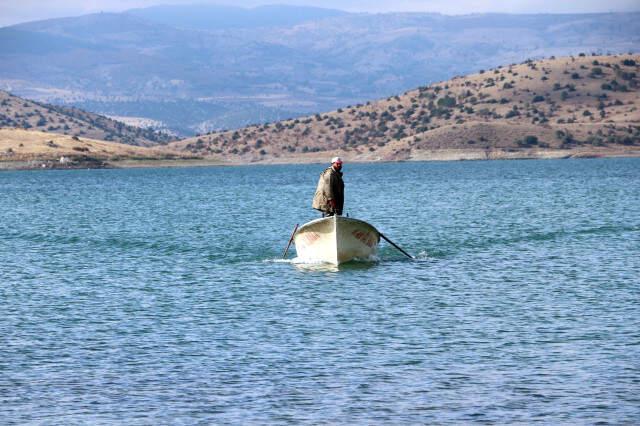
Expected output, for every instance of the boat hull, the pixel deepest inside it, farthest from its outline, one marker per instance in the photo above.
(336, 240)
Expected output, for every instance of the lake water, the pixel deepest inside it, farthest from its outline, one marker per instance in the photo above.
(157, 296)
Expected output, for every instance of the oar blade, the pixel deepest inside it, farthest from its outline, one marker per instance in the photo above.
(396, 246)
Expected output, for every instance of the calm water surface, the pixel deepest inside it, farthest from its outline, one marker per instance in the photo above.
(157, 297)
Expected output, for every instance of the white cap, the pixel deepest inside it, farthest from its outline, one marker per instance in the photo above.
(336, 160)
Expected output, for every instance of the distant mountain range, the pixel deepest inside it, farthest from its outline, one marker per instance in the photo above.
(215, 17)
(200, 68)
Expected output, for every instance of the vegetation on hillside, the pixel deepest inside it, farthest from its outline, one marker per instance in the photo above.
(20, 113)
(557, 103)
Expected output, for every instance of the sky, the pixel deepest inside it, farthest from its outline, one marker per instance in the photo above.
(17, 11)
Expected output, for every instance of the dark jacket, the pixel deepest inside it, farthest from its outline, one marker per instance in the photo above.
(330, 187)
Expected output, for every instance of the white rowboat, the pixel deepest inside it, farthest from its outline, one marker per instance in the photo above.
(336, 240)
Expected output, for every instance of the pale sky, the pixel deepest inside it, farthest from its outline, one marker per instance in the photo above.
(16, 11)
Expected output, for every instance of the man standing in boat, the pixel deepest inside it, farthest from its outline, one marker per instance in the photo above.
(329, 197)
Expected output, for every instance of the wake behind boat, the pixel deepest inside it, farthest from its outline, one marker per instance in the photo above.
(336, 240)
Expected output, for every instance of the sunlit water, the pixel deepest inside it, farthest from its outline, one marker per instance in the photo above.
(158, 297)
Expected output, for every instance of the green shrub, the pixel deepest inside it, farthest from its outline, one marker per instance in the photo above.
(447, 102)
(528, 141)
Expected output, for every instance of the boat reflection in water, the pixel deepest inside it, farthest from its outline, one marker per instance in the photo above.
(336, 240)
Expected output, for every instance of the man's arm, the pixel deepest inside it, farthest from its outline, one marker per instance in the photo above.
(331, 190)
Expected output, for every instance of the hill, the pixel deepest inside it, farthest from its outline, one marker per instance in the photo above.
(218, 17)
(16, 112)
(163, 64)
(571, 106)
(28, 149)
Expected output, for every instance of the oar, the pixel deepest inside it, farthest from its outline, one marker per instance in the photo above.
(396, 246)
(284, 256)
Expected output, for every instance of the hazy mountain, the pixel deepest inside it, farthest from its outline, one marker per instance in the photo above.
(216, 17)
(275, 62)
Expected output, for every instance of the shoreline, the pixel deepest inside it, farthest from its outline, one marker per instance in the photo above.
(418, 156)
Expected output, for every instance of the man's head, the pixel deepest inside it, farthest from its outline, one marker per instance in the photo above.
(336, 163)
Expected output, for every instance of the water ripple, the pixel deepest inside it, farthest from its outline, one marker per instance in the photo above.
(159, 296)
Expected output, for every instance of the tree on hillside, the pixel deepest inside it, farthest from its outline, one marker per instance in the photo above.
(447, 102)
(596, 72)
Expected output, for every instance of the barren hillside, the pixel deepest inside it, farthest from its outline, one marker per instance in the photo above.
(21, 148)
(16, 112)
(558, 107)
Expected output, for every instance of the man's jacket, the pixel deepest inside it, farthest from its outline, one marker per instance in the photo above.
(330, 187)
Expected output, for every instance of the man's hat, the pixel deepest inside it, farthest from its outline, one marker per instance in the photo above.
(336, 160)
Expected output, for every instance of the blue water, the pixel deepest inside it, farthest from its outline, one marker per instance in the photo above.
(157, 297)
